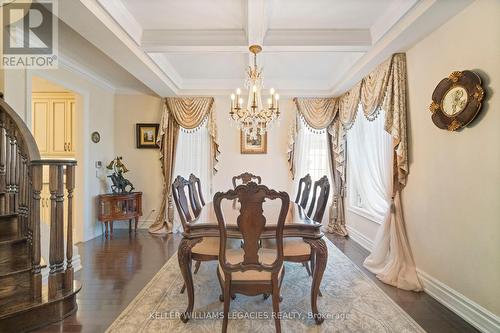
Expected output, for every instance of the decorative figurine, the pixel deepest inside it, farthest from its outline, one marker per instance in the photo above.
(119, 182)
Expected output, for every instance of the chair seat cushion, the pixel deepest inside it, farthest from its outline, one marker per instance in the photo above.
(210, 246)
(234, 256)
(292, 246)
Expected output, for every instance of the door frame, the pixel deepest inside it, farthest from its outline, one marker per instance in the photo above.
(82, 206)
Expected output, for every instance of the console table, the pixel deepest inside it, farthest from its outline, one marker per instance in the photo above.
(119, 206)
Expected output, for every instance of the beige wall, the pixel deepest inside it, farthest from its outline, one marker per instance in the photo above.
(452, 201)
(272, 167)
(145, 168)
(144, 164)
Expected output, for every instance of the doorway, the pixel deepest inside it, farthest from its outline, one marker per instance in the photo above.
(54, 114)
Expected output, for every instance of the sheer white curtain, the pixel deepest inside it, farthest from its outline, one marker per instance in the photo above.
(193, 156)
(369, 167)
(311, 156)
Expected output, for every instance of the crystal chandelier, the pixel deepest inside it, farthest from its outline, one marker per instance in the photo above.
(253, 119)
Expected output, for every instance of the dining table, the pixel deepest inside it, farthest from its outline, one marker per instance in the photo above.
(297, 224)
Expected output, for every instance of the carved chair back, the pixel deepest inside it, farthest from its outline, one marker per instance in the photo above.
(185, 206)
(245, 178)
(197, 196)
(304, 191)
(320, 200)
(251, 223)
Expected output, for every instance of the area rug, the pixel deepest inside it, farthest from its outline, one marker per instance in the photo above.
(351, 302)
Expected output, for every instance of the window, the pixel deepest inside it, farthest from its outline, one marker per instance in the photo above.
(193, 156)
(369, 167)
(312, 155)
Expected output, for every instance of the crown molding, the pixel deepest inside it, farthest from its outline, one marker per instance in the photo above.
(394, 13)
(423, 18)
(123, 17)
(77, 68)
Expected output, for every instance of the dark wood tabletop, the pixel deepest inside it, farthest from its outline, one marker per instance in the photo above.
(297, 223)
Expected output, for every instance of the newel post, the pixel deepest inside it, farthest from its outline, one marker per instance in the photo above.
(70, 186)
(56, 254)
(36, 176)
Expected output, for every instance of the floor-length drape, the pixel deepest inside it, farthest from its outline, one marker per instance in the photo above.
(384, 88)
(189, 113)
(337, 153)
(370, 165)
(167, 139)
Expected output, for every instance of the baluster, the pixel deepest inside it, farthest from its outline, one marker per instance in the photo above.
(36, 174)
(3, 189)
(12, 173)
(8, 169)
(70, 186)
(56, 255)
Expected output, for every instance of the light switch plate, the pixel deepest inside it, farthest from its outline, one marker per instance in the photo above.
(98, 164)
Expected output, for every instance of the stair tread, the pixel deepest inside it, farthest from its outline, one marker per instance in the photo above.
(26, 305)
(13, 241)
(14, 272)
(6, 216)
(13, 264)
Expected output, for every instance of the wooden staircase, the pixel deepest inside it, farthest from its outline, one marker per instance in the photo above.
(26, 303)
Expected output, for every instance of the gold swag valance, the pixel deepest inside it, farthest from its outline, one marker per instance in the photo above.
(188, 113)
(318, 113)
(384, 88)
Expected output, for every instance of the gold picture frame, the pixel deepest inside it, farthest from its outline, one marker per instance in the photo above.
(251, 146)
(146, 135)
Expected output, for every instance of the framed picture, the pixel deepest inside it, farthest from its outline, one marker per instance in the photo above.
(249, 145)
(146, 135)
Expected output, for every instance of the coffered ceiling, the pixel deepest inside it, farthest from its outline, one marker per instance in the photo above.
(310, 47)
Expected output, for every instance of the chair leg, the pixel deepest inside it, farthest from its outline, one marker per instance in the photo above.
(227, 301)
(183, 288)
(197, 267)
(276, 304)
(306, 265)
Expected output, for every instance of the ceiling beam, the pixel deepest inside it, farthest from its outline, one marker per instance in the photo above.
(92, 22)
(235, 41)
(256, 24)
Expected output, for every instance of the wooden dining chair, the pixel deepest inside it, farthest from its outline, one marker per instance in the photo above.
(319, 200)
(245, 178)
(294, 248)
(251, 270)
(197, 193)
(303, 191)
(208, 248)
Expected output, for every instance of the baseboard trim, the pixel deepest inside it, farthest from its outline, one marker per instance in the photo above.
(359, 238)
(143, 224)
(470, 311)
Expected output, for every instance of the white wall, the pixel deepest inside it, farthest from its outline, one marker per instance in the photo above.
(144, 164)
(452, 201)
(95, 112)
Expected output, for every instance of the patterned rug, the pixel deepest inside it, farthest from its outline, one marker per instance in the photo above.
(351, 302)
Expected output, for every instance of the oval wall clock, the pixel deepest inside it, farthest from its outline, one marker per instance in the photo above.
(457, 100)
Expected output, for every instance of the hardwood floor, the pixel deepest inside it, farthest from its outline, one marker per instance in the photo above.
(114, 271)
